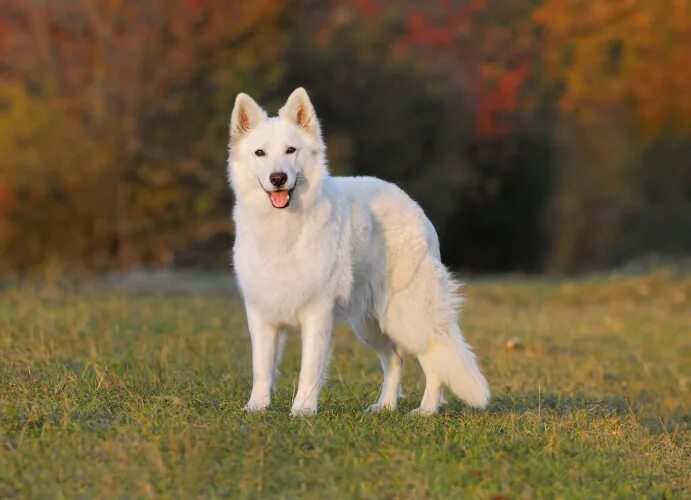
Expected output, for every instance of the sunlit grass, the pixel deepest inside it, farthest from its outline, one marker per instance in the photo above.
(107, 394)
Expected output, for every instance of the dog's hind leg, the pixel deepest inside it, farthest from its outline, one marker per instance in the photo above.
(369, 332)
(433, 396)
(392, 365)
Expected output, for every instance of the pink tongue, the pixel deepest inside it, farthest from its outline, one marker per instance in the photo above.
(279, 199)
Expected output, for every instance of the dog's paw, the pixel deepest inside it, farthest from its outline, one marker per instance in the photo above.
(422, 412)
(303, 411)
(380, 408)
(255, 406)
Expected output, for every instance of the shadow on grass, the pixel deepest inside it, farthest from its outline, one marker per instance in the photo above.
(562, 406)
(557, 404)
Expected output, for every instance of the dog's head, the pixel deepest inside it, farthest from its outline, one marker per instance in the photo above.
(276, 162)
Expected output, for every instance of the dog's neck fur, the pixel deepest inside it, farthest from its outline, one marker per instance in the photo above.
(280, 229)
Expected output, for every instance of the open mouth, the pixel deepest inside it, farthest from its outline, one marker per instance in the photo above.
(280, 198)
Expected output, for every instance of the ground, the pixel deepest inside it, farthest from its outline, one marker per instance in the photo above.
(112, 393)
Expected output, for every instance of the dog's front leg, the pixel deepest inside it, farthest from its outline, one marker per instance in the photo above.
(316, 325)
(264, 339)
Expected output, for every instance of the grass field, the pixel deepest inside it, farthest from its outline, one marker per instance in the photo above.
(104, 393)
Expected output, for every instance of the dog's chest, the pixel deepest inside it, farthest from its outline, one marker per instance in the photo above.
(282, 272)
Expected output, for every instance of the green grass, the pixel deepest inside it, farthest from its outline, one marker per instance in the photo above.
(116, 395)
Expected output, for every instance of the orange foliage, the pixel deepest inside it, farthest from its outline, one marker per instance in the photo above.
(101, 96)
(499, 102)
(489, 60)
(630, 54)
(113, 113)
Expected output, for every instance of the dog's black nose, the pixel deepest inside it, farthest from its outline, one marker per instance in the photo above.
(278, 178)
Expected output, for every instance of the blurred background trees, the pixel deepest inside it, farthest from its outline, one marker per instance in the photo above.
(540, 135)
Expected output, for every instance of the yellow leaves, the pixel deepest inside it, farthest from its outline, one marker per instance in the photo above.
(111, 117)
(621, 52)
(21, 118)
(641, 20)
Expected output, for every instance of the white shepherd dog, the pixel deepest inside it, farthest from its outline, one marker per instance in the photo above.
(311, 249)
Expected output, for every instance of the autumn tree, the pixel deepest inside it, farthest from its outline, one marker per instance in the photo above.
(442, 98)
(113, 120)
(625, 116)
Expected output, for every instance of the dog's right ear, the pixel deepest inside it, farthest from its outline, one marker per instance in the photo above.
(246, 116)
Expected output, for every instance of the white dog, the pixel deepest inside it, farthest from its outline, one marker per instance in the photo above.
(311, 249)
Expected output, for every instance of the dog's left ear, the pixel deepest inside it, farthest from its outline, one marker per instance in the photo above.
(298, 109)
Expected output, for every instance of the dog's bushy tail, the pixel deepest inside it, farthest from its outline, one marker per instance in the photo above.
(423, 318)
(458, 369)
(455, 362)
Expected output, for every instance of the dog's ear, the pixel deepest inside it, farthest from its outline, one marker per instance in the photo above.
(298, 109)
(246, 115)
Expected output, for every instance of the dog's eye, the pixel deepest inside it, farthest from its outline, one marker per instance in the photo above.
(290, 150)
(260, 152)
